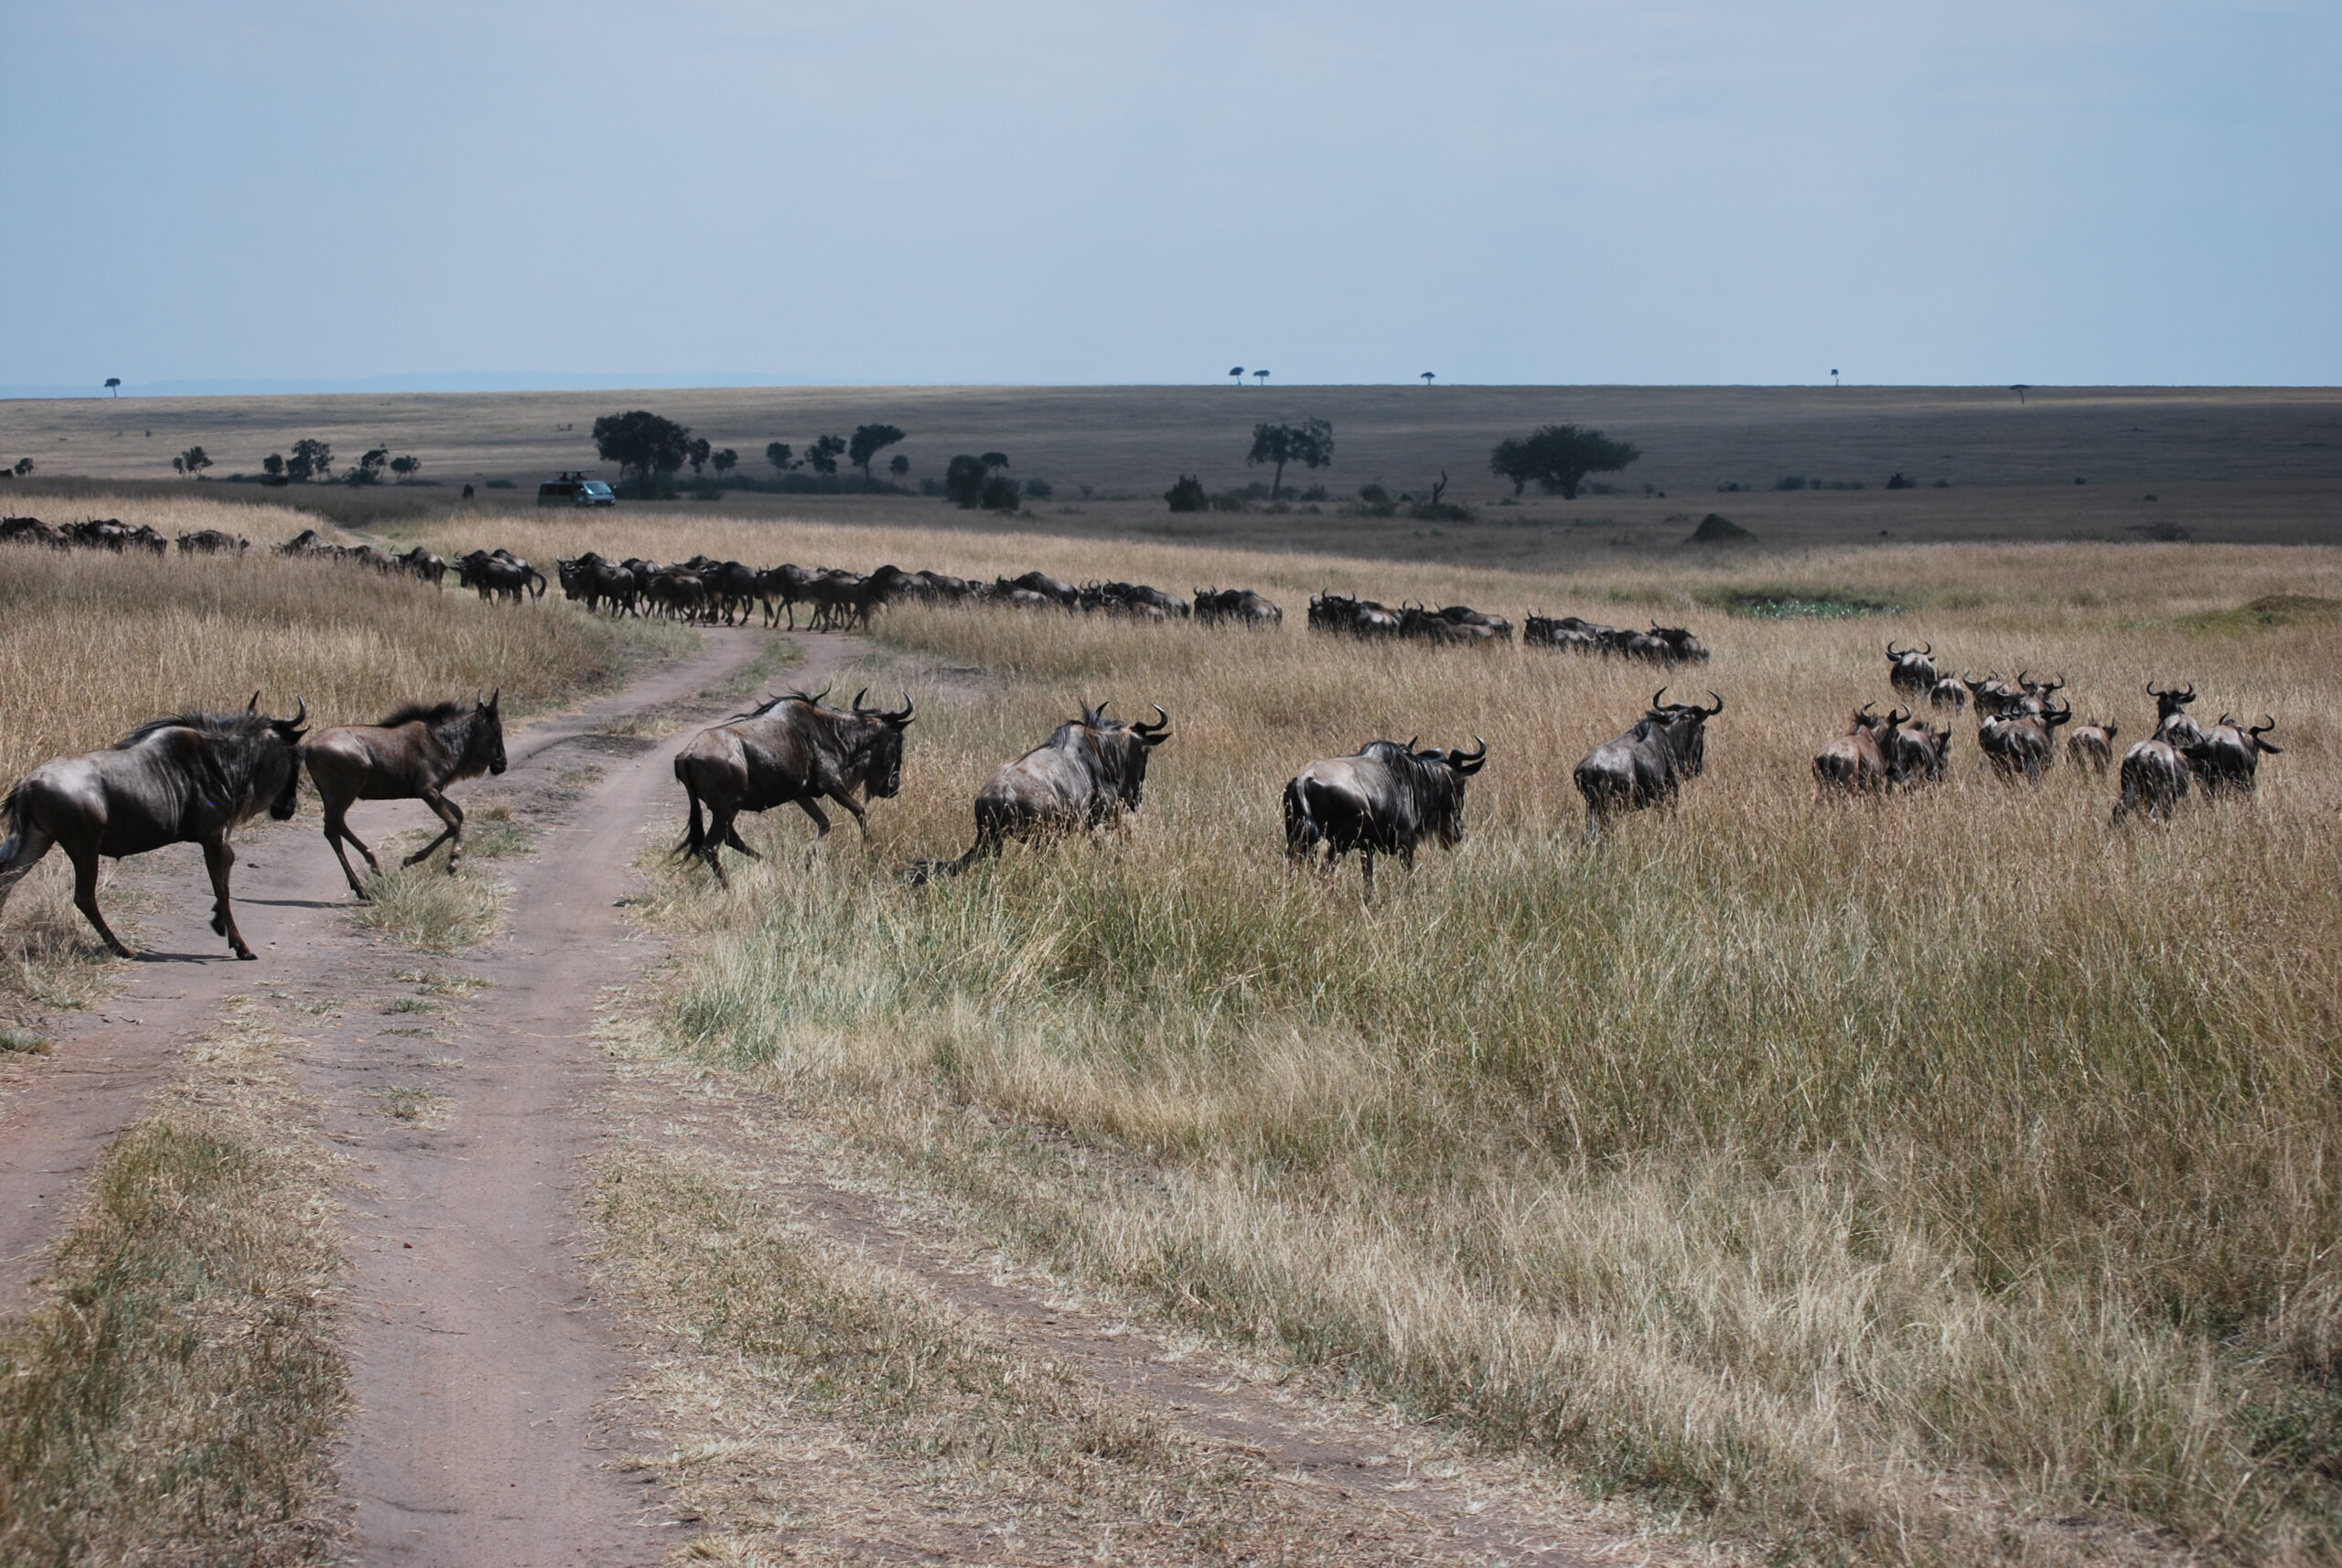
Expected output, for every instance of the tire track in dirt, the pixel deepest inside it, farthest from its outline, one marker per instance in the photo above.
(480, 1359)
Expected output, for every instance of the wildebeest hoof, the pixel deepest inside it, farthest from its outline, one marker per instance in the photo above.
(246, 953)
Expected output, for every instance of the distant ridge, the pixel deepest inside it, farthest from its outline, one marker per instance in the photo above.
(436, 381)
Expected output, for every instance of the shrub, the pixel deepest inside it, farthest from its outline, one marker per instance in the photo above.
(1188, 495)
(1789, 482)
(1898, 481)
(1039, 490)
(1001, 493)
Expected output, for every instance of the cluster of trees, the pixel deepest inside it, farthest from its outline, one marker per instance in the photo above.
(311, 460)
(972, 480)
(651, 450)
(1558, 457)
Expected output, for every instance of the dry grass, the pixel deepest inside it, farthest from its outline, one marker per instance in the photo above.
(175, 1401)
(430, 911)
(1937, 1179)
(933, 1438)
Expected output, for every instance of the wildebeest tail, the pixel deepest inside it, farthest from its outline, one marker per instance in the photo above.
(695, 829)
(1301, 830)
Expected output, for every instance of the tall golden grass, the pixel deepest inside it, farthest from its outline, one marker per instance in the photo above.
(1941, 1178)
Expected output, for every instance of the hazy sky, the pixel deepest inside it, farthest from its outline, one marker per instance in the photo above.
(1045, 190)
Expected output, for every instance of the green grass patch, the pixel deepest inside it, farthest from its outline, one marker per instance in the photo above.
(1797, 604)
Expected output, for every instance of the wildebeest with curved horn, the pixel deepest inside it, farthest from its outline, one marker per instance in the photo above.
(2173, 725)
(1913, 671)
(790, 749)
(2019, 741)
(1646, 766)
(2228, 760)
(189, 778)
(1385, 798)
(412, 755)
(1090, 773)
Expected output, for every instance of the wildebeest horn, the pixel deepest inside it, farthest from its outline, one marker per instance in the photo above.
(1927, 650)
(1162, 722)
(1712, 713)
(2057, 685)
(901, 715)
(858, 708)
(1891, 654)
(494, 698)
(1898, 714)
(1469, 763)
(252, 706)
(1655, 696)
(2190, 695)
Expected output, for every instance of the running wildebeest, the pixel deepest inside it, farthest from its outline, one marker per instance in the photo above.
(2091, 747)
(2019, 742)
(2154, 779)
(412, 755)
(189, 778)
(1385, 798)
(1856, 761)
(1913, 671)
(2228, 760)
(2173, 725)
(1646, 766)
(1090, 773)
(790, 749)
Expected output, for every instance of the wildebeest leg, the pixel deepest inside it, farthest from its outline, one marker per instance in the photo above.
(1366, 860)
(447, 811)
(337, 830)
(85, 896)
(861, 818)
(219, 858)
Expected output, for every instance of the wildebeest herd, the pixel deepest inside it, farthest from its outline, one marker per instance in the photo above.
(195, 776)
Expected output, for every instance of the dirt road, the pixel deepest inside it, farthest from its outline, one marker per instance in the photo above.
(460, 1093)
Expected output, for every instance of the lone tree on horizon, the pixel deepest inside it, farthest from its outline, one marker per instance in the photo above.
(641, 443)
(1426, 378)
(1310, 443)
(1239, 373)
(1560, 456)
(1261, 377)
(113, 385)
(869, 440)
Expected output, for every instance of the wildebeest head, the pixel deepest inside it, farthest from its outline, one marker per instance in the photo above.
(1686, 727)
(487, 731)
(2170, 701)
(277, 768)
(883, 776)
(1443, 774)
(1122, 748)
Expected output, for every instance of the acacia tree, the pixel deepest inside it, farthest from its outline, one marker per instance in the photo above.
(641, 443)
(869, 440)
(781, 456)
(273, 467)
(406, 467)
(113, 385)
(898, 465)
(969, 482)
(1560, 456)
(370, 466)
(1310, 443)
(192, 462)
(722, 461)
(311, 460)
(823, 455)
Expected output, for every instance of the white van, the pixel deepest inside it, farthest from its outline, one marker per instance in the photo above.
(568, 490)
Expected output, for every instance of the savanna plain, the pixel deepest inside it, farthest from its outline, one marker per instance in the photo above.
(1941, 1178)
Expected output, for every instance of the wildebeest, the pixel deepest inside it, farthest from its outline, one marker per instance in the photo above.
(497, 574)
(1682, 646)
(1563, 631)
(1947, 693)
(1913, 671)
(421, 563)
(1356, 618)
(2154, 779)
(591, 581)
(790, 749)
(412, 755)
(2228, 760)
(2019, 742)
(31, 530)
(1239, 606)
(189, 778)
(1646, 766)
(1457, 624)
(2091, 747)
(1993, 695)
(212, 542)
(2173, 725)
(1090, 773)
(1917, 753)
(1384, 799)
(1856, 761)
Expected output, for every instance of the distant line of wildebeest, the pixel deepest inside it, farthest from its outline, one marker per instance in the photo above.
(195, 776)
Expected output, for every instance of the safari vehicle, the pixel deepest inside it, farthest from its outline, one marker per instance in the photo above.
(576, 489)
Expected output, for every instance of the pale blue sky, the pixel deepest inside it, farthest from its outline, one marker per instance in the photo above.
(1041, 190)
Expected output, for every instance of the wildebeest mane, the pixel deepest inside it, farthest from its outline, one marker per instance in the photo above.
(428, 713)
(244, 724)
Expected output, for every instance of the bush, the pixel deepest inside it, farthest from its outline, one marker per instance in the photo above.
(500, 484)
(1897, 481)
(1188, 495)
(1001, 493)
(1316, 493)
(1789, 482)
(1039, 490)
(1441, 511)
